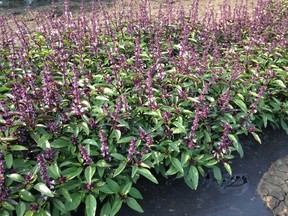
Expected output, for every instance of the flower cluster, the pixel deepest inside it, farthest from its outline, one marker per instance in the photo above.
(3, 189)
(85, 155)
(43, 170)
(104, 146)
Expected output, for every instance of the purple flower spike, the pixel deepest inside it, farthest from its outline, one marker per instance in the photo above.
(43, 170)
(148, 143)
(104, 146)
(85, 155)
(131, 150)
(3, 189)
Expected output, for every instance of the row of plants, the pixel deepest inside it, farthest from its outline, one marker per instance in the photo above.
(88, 105)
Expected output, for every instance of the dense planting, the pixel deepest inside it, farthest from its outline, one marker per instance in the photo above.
(88, 105)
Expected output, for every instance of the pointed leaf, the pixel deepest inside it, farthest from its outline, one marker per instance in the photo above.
(16, 177)
(66, 194)
(228, 168)
(41, 187)
(90, 205)
(237, 145)
(89, 172)
(117, 134)
(8, 160)
(135, 193)
(241, 104)
(194, 175)
(177, 164)
(120, 168)
(133, 204)
(53, 170)
(147, 174)
(60, 143)
(106, 209)
(59, 205)
(256, 137)
(114, 186)
(26, 196)
(20, 208)
(117, 203)
(217, 174)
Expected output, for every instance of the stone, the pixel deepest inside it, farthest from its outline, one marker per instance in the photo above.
(273, 187)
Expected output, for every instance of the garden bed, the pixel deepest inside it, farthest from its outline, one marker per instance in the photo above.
(92, 103)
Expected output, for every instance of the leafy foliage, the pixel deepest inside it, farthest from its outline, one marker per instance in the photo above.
(89, 105)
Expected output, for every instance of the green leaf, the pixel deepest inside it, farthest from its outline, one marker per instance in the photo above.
(279, 83)
(194, 175)
(106, 189)
(8, 160)
(60, 143)
(90, 142)
(147, 174)
(16, 177)
(89, 172)
(125, 139)
(7, 206)
(256, 137)
(123, 123)
(133, 204)
(237, 145)
(18, 148)
(85, 127)
(72, 172)
(135, 193)
(26, 196)
(180, 127)
(117, 134)
(106, 209)
(241, 104)
(117, 203)
(217, 174)
(120, 168)
(177, 164)
(114, 186)
(228, 168)
(134, 171)
(41, 187)
(66, 194)
(90, 205)
(29, 213)
(76, 200)
(59, 205)
(211, 163)
(171, 171)
(126, 189)
(42, 141)
(265, 119)
(53, 170)
(102, 98)
(20, 208)
(118, 156)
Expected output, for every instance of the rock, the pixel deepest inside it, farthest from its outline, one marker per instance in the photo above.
(273, 187)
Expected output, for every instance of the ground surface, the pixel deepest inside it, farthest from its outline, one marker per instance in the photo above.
(273, 187)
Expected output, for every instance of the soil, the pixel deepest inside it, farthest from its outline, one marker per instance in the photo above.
(273, 187)
(28, 13)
